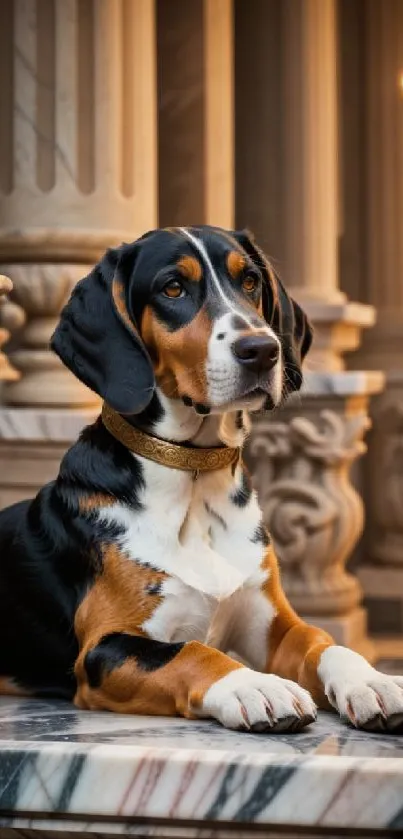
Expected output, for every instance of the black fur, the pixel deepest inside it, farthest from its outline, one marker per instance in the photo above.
(215, 516)
(241, 496)
(83, 338)
(99, 463)
(261, 535)
(239, 420)
(49, 558)
(113, 650)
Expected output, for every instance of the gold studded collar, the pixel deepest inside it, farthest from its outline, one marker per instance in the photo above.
(167, 454)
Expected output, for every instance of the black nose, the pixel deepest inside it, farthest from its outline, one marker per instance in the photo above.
(256, 352)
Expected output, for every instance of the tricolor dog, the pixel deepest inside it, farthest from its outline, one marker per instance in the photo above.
(142, 580)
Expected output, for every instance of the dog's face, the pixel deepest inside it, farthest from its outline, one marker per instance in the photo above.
(196, 311)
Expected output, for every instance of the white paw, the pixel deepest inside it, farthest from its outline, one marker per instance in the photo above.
(362, 695)
(246, 699)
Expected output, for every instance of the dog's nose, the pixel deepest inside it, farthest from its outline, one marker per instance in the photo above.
(257, 352)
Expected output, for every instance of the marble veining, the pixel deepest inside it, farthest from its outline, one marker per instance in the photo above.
(61, 769)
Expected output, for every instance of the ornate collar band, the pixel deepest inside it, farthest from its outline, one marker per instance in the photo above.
(167, 454)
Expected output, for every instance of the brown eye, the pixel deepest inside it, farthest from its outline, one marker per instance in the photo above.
(173, 289)
(249, 284)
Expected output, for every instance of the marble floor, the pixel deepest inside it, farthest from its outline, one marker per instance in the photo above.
(65, 770)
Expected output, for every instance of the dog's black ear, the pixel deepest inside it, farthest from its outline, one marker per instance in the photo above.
(281, 312)
(99, 342)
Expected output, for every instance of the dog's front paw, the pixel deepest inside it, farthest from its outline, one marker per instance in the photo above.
(252, 701)
(362, 695)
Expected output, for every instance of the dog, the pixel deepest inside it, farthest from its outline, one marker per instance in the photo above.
(143, 580)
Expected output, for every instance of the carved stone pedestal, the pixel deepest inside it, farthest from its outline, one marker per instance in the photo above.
(301, 465)
(32, 443)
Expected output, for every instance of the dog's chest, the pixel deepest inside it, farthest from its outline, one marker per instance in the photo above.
(206, 544)
(196, 530)
(238, 624)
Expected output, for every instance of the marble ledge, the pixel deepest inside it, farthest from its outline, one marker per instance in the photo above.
(70, 771)
(63, 426)
(344, 312)
(343, 384)
(42, 425)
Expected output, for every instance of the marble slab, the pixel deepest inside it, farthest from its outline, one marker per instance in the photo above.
(44, 425)
(61, 769)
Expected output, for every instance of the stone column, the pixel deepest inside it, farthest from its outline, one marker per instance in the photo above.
(195, 105)
(77, 174)
(382, 572)
(311, 178)
(321, 517)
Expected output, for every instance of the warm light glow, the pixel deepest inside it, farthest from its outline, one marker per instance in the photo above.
(400, 82)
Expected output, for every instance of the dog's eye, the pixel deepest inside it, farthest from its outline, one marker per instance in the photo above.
(250, 284)
(173, 289)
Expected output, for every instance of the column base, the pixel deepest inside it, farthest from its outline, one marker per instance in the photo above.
(32, 443)
(338, 327)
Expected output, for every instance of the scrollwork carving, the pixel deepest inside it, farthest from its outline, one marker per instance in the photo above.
(301, 472)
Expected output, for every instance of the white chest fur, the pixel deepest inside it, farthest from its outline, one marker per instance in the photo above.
(195, 533)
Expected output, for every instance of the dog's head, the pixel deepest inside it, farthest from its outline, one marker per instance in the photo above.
(197, 311)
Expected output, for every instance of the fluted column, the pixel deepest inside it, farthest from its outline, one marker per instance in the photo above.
(310, 171)
(77, 161)
(311, 177)
(195, 102)
(77, 175)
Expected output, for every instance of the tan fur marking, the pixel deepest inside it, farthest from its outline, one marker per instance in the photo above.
(190, 267)
(118, 296)
(9, 688)
(176, 688)
(88, 503)
(295, 647)
(119, 600)
(179, 357)
(235, 263)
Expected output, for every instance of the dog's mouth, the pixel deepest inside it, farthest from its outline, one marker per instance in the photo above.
(253, 400)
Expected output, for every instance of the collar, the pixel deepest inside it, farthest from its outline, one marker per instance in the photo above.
(167, 454)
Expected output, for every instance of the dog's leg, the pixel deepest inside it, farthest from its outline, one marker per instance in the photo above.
(335, 676)
(132, 674)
